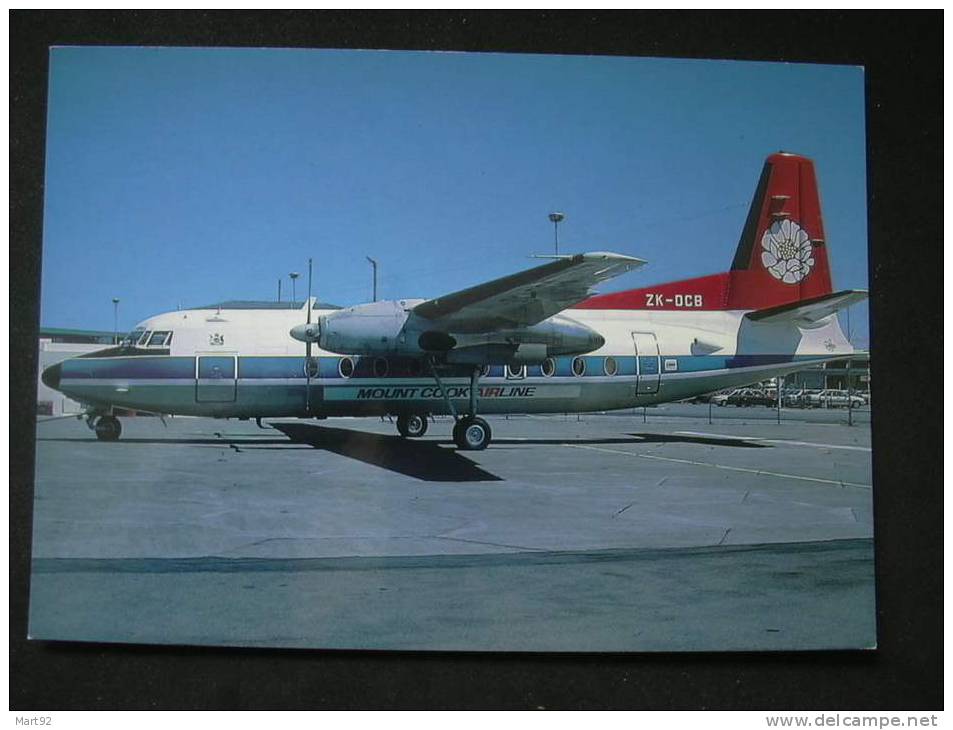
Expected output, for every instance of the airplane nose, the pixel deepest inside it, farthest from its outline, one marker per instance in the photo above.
(596, 341)
(51, 376)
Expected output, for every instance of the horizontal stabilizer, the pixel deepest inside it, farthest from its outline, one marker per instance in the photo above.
(809, 310)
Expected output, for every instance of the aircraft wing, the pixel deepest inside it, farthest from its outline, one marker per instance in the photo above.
(525, 298)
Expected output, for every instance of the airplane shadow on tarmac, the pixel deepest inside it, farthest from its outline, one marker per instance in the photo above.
(670, 438)
(429, 461)
(425, 460)
(223, 441)
(640, 438)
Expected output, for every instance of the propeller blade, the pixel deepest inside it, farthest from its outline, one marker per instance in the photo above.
(309, 298)
(307, 348)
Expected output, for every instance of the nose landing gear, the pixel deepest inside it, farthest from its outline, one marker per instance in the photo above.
(413, 425)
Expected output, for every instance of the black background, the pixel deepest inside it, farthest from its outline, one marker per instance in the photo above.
(902, 53)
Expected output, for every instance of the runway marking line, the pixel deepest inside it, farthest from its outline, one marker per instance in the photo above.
(786, 442)
(759, 472)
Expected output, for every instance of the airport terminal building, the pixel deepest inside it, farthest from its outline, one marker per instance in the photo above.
(853, 374)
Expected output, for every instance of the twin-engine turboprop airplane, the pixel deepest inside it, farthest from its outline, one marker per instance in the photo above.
(538, 341)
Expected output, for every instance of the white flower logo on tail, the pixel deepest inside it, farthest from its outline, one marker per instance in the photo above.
(787, 253)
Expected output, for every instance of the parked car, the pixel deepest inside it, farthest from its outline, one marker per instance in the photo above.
(743, 397)
(748, 397)
(794, 398)
(808, 398)
(721, 399)
(758, 397)
(832, 398)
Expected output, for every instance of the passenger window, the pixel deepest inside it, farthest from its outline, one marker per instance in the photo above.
(518, 371)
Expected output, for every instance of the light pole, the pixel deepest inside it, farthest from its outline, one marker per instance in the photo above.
(294, 299)
(279, 289)
(850, 392)
(115, 320)
(556, 218)
(374, 264)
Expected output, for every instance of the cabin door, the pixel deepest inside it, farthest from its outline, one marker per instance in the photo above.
(648, 362)
(216, 378)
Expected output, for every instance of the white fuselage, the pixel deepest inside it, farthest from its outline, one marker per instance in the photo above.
(242, 362)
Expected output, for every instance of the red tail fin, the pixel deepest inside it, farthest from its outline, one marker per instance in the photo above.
(782, 254)
(781, 257)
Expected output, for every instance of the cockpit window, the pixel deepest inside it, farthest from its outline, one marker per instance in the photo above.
(132, 338)
(144, 338)
(160, 338)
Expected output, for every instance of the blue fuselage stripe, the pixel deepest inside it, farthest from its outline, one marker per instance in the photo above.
(293, 367)
(139, 368)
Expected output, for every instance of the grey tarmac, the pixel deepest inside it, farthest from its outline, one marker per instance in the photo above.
(589, 533)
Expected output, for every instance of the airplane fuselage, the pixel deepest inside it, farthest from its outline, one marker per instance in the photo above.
(242, 363)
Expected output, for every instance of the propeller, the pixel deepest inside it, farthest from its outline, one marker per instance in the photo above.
(307, 332)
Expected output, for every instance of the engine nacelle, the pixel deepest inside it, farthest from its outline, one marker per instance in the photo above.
(367, 329)
(526, 354)
(391, 328)
(560, 334)
(529, 354)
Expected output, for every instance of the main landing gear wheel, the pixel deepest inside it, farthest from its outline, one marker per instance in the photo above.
(472, 433)
(412, 426)
(108, 428)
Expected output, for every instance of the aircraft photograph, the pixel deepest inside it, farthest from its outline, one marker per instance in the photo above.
(399, 350)
(537, 341)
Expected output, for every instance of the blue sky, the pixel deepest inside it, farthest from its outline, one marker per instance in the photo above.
(188, 176)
